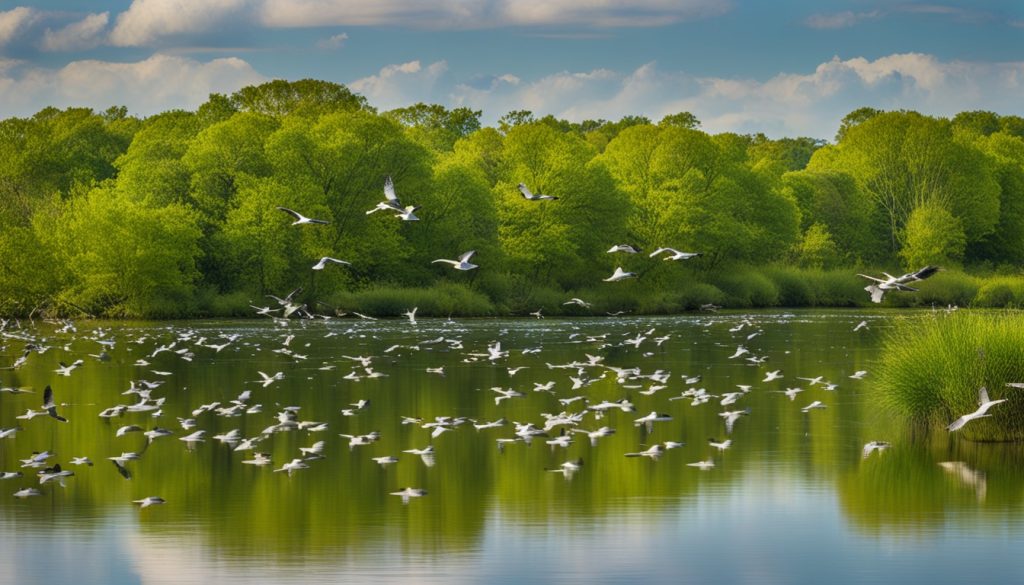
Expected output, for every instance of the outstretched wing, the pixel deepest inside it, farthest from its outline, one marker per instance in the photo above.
(465, 257)
(876, 293)
(871, 278)
(526, 192)
(925, 272)
(290, 212)
(659, 251)
(48, 398)
(389, 190)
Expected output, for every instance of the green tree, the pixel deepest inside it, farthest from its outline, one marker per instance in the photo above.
(435, 126)
(933, 236)
(305, 97)
(151, 169)
(817, 249)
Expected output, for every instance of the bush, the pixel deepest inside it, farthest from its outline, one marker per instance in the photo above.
(747, 288)
(933, 366)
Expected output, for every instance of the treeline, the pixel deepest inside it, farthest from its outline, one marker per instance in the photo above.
(103, 213)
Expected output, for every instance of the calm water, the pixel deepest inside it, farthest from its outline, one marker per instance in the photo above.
(791, 501)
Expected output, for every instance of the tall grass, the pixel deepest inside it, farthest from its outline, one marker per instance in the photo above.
(440, 300)
(933, 366)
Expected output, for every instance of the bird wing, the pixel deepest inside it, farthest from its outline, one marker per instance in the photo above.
(389, 190)
(465, 257)
(659, 251)
(876, 293)
(983, 396)
(526, 192)
(871, 278)
(291, 212)
(958, 423)
(925, 272)
(336, 261)
(48, 397)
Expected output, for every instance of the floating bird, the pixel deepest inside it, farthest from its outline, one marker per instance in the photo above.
(325, 261)
(462, 263)
(984, 403)
(620, 274)
(531, 197)
(301, 219)
(675, 254)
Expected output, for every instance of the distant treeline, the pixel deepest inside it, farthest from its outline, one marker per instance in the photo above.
(103, 213)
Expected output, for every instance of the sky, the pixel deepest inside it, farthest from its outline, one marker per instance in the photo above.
(780, 67)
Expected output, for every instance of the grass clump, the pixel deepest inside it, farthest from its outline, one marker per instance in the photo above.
(933, 366)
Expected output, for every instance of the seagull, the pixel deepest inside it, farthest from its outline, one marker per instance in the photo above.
(49, 406)
(577, 301)
(410, 492)
(859, 375)
(386, 460)
(65, 369)
(703, 465)
(624, 248)
(328, 260)
(293, 465)
(813, 405)
(620, 274)
(149, 501)
(720, 445)
(462, 263)
(880, 286)
(569, 468)
(861, 325)
(984, 403)
(27, 492)
(301, 219)
(873, 446)
(675, 254)
(411, 314)
(654, 451)
(531, 197)
(773, 376)
(391, 203)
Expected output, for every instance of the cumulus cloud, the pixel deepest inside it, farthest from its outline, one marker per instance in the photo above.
(333, 42)
(840, 19)
(146, 22)
(402, 84)
(156, 84)
(14, 22)
(448, 14)
(84, 34)
(787, 104)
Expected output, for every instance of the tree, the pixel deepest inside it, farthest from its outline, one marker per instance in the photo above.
(680, 120)
(305, 97)
(817, 249)
(151, 169)
(435, 126)
(1006, 242)
(933, 236)
(855, 118)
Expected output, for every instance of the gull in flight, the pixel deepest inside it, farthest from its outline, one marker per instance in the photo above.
(984, 403)
(328, 260)
(531, 197)
(880, 286)
(773, 376)
(624, 248)
(675, 254)
(859, 374)
(149, 501)
(703, 465)
(620, 274)
(813, 405)
(873, 446)
(569, 468)
(301, 219)
(49, 406)
(654, 452)
(462, 263)
(391, 203)
(410, 492)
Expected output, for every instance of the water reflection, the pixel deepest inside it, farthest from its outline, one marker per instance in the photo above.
(789, 498)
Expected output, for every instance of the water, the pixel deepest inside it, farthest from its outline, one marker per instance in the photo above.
(790, 501)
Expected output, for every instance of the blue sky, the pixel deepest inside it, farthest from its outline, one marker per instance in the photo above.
(780, 67)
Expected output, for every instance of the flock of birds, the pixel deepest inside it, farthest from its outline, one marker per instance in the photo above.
(580, 416)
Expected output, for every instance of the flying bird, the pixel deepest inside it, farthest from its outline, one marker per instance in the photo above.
(50, 406)
(462, 263)
(675, 254)
(534, 197)
(328, 260)
(620, 274)
(624, 248)
(984, 403)
(879, 287)
(301, 219)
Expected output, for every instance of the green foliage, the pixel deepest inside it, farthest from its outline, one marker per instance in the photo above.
(305, 97)
(441, 300)
(933, 236)
(933, 366)
(817, 249)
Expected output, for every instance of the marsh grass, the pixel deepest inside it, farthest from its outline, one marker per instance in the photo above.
(440, 300)
(933, 366)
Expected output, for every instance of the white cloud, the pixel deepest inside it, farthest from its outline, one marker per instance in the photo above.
(146, 22)
(156, 84)
(83, 34)
(401, 85)
(788, 104)
(449, 14)
(839, 20)
(333, 42)
(14, 22)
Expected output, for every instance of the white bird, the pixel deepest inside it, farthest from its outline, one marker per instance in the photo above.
(984, 403)
(873, 446)
(720, 445)
(569, 468)
(149, 501)
(620, 274)
(531, 197)
(325, 261)
(675, 254)
(386, 460)
(301, 219)
(859, 374)
(624, 248)
(654, 451)
(293, 465)
(813, 405)
(50, 406)
(411, 314)
(462, 263)
(410, 492)
(703, 465)
(879, 287)
(773, 376)
(861, 325)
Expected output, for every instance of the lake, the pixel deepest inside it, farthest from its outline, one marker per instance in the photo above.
(791, 500)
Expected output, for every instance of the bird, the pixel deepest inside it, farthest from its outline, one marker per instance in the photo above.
(410, 492)
(861, 325)
(654, 452)
(411, 315)
(872, 446)
(577, 301)
(775, 375)
(859, 374)
(984, 403)
(391, 203)
(628, 249)
(620, 274)
(703, 465)
(569, 468)
(675, 254)
(149, 501)
(328, 260)
(301, 219)
(462, 263)
(879, 287)
(49, 406)
(813, 405)
(534, 197)
(720, 445)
